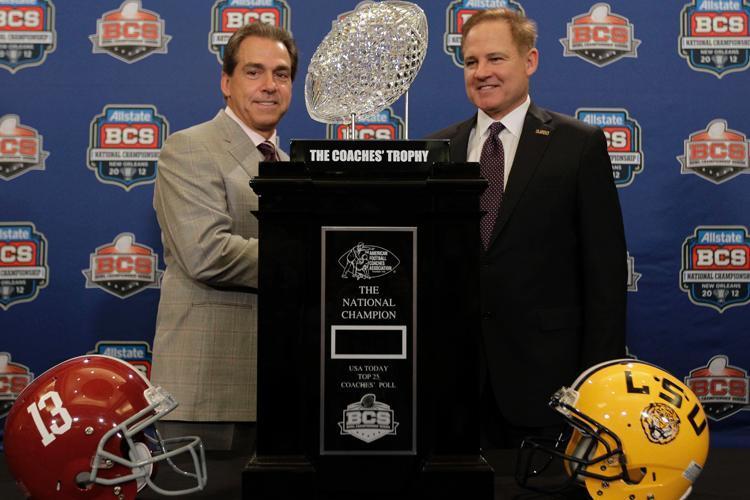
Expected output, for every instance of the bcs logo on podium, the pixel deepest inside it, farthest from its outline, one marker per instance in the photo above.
(600, 37)
(124, 144)
(130, 33)
(123, 268)
(20, 148)
(714, 36)
(723, 389)
(385, 125)
(227, 16)
(717, 153)
(458, 12)
(27, 33)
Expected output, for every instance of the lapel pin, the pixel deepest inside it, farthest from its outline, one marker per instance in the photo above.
(540, 131)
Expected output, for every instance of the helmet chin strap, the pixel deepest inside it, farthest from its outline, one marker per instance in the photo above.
(138, 453)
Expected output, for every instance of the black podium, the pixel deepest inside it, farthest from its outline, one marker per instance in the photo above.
(368, 325)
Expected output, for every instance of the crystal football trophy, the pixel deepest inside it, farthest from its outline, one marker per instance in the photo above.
(366, 62)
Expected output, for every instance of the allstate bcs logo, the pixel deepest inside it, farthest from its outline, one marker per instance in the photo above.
(20, 148)
(722, 389)
(137, 354)
(600, 37)
(623, 135)
(458, 12)
(123, 268)
(368, 419)
(717, 153)
(27, 33)
(385, 125)
(367, 262)
(716, 267)
(227, 16)
(14, 378)
(23, 263)
(130, 33)
(714, 36)
(125, 143)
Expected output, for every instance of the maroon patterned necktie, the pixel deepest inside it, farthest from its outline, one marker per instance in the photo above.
(268, 150)
(492, 164)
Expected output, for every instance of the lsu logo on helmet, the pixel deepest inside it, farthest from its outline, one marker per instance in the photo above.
(600, 37)
(717, 153)
(27, 33)
(14, 377)
(227, 16)
(137, 354)
(714, 36)
(124, 144)
(23, 263)
(130, 33)
(20, 148)
(723, 389)
(716, 267)
(633, 276)
(458, 12)
(385, 125)
(623, 140)
(123, 268)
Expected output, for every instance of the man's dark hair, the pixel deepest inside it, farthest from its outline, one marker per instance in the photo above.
(261, 30)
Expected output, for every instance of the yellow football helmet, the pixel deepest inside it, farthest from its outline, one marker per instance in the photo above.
(638, 433)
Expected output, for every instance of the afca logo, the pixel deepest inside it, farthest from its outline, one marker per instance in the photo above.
(716, 267)
(458, 12)
(714, 36)
(137, 354)
(23, 263)
(600, 37)
(123, 268)
(722, 389)
(367, 262)
(124, 144)
(227, 16)
(623, 140)
(368, 419)
(385, 125)
(717, 153)
(130, 33)
(27, 33)
(20, 148)
(14, 378)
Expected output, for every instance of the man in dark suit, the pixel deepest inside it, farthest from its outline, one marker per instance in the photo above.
(553, 275)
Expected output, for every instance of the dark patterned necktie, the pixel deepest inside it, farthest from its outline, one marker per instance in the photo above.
(268, 150)
(492, 168)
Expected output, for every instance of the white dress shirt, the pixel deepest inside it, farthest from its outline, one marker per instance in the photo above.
(510, 135)
(252, 134)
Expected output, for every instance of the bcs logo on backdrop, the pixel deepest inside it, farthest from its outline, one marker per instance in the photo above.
(14, 377)
(722, 389)
(385, 125)
(124, 144)
(20, 148)
(227, 16)
(714, 36)
(600, 37)
(458, 12)
(123, 268)
(717, 153)
(716, 267)
(137, 354)
(27, 33)
(23, 263)
(623, 140)
(130, 33)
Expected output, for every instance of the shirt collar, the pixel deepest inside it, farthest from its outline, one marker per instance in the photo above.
(252, 134)
(513, 121)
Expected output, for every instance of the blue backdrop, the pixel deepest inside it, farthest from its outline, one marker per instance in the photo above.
(89, 91)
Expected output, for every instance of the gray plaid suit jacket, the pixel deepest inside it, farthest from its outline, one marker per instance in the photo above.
(205, 344)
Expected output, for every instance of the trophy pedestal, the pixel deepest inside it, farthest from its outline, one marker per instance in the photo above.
(368, 329)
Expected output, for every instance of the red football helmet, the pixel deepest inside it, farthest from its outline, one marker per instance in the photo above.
(85, 429)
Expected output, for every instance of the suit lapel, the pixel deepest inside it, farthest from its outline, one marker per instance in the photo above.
(460, 140)
(537, 130)
(239, 144)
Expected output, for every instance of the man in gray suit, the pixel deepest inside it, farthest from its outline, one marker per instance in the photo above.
(205, 344)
